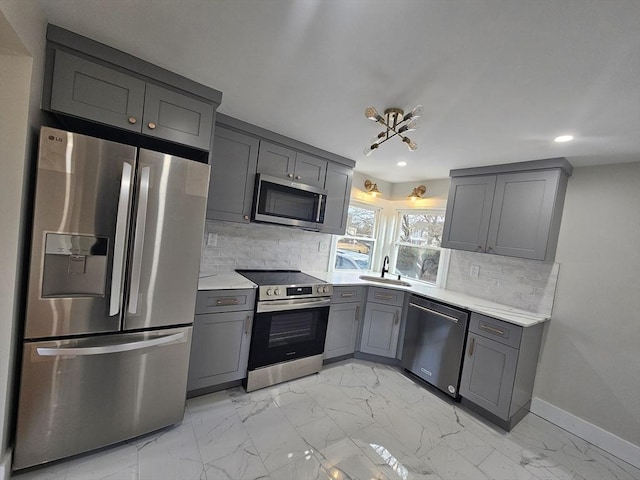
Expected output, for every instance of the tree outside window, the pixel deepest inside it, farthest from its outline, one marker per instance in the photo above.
(418, 252)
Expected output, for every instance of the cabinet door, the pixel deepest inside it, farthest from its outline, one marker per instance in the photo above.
(310, 170)
(338, 186)
(219, 348)
(488, 374)
(522, 212)
(342, 329)
(276, 160)
(466, 221)
(380, 330)
(177, 117)
(89, 90)
(233, 173)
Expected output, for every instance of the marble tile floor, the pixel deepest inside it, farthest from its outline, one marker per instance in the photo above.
(353, 420)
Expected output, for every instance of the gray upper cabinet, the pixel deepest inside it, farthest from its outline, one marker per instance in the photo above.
(283, 162)
(91, 81)
(514, 213)
(89, 90)
(338, 186)
(177, 117)
(468, 211)
(233, 171)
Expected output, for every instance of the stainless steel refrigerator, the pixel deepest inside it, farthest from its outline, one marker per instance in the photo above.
(113, 277)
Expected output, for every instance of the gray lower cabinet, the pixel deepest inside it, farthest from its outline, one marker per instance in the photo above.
(499, 368)
(512, 213)
(94, 91)
(381, 324)
(342, 330)
(233, 172)
(282, 162)
(220, 342)
(338, 186)
(344, 321)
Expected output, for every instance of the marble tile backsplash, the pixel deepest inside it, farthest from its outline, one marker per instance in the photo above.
(262, 246)
(526, 284)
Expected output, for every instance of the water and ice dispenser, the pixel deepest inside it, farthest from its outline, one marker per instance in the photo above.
(74, 265)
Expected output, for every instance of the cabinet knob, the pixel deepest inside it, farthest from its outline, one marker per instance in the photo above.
(290, 175)
(480, 247)
(132, 120)
(246, 217)
(489, 249)
(297, 177)
(152, 126)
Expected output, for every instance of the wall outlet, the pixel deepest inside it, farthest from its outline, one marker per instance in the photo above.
(212, 240)
(475, 271)
(323, 246)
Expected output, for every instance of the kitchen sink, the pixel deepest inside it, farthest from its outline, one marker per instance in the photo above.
(390, 281)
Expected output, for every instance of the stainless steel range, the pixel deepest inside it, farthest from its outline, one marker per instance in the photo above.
(289, 328)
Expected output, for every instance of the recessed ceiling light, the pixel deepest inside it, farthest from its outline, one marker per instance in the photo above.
(401, 164)
(563, 138)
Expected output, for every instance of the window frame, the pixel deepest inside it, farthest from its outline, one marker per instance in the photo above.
(443, 264)
(373, 239)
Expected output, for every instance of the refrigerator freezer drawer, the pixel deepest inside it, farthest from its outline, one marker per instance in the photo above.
(78, 395)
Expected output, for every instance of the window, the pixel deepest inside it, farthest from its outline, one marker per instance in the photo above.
(354, 251)
(418, 252)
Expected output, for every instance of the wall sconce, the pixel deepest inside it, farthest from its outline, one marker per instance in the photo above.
(372, 188)
(396, 123)
(417, 193)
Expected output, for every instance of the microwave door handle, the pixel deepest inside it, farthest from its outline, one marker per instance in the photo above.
(119, 242)
(138, 243)
(320, 198)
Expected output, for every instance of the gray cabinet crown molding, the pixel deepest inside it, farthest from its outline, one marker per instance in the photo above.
(273, 137)
(544, 164)
(79, 43)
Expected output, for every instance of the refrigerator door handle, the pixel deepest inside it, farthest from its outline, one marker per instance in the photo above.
(119, 243)
(138, 244)
(101, 350)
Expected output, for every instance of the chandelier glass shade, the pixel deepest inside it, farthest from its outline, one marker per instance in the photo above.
(396, 124)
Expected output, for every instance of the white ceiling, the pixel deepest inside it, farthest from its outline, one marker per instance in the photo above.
(498, 79)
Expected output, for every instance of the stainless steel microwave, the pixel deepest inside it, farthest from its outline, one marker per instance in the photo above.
(285, 202)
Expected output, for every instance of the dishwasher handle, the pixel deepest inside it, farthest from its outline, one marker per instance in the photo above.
(435, 312)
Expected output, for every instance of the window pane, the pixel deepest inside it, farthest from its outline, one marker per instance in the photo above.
(353, 254)
(354, 251)
(421, 229)
(419, 242)
(361, 222)
(419, 263)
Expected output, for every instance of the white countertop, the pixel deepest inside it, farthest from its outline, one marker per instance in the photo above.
(224, 281)
(235, 281)
(475, 304)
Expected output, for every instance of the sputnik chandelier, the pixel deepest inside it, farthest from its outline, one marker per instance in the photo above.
(396, 123)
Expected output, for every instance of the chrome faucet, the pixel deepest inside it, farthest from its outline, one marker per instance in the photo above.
(385, 266)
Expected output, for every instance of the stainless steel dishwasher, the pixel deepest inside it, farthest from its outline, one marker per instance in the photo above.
(434, 343)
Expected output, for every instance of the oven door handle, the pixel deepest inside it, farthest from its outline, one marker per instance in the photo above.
(283, 305)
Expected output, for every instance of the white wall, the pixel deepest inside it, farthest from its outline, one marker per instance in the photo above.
(590, 361)
(22, 38)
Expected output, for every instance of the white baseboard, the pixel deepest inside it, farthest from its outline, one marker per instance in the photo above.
(593, 434)
(5, 465)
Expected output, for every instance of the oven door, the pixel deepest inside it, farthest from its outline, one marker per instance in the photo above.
(286, 330)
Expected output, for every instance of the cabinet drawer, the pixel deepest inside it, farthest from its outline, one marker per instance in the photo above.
(347, 294)
(213, 301)
(495, 329)
(385, 296)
